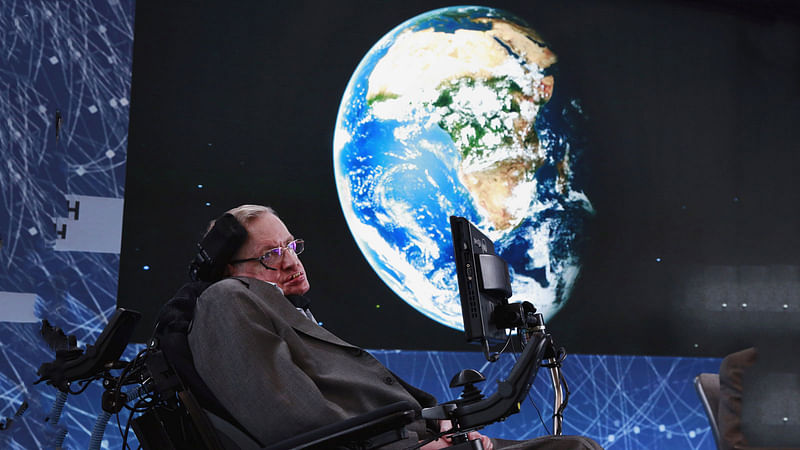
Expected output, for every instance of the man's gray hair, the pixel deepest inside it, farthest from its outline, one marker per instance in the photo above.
(244, 214)
(247, 213)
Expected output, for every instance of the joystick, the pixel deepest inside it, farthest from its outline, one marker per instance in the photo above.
(467, 378)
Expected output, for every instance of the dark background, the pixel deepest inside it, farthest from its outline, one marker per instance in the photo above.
(693, 123)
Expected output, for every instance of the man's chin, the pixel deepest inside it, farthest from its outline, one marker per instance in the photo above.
(298, 289)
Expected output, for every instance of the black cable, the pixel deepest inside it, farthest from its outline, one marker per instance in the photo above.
(133, 410)
(117, 392)
(530, 398)
(561, 355)
(128, 426)
(508, 339)
(566, 398)
(144, 399)
(84, 385)
(539, 413)
(125, 445)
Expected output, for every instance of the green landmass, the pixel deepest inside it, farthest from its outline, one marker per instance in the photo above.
(444, 100)
(454, 121)
(381, 97)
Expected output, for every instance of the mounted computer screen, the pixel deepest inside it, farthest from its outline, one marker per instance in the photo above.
(483, 281)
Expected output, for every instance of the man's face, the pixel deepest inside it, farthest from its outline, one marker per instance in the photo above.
(265, 233)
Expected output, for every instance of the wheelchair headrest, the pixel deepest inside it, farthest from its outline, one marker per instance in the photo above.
(218, 246)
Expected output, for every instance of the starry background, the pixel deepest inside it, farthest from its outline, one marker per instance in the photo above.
(691, 164)
(692, 114)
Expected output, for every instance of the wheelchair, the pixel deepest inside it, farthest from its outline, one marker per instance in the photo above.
(191, 417)
(177, 410)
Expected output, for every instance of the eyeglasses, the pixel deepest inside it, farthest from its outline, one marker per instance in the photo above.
(274, 256)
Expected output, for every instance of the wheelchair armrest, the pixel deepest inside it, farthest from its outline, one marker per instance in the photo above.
(72, 364)
(375, 428)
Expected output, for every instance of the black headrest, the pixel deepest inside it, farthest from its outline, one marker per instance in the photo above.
(217, 248)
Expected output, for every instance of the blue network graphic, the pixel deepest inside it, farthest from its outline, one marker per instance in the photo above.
(622, 402)
(65, 76)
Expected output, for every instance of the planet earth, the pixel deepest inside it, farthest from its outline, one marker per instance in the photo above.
(461, 111)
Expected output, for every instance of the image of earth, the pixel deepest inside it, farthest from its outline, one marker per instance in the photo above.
(461, 111)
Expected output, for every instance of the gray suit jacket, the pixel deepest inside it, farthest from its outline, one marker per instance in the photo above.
(280, 374)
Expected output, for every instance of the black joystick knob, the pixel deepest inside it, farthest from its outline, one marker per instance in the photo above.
(466, 378)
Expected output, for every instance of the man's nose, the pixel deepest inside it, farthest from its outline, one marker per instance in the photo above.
(289, 258)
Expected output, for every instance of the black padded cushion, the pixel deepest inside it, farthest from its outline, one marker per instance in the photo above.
(172, 330)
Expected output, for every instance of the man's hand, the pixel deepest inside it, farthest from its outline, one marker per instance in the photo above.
(446, 441)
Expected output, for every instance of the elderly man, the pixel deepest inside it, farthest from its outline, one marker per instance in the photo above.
(273, 367)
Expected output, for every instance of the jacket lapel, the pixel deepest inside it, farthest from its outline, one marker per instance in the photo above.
(286, 310)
